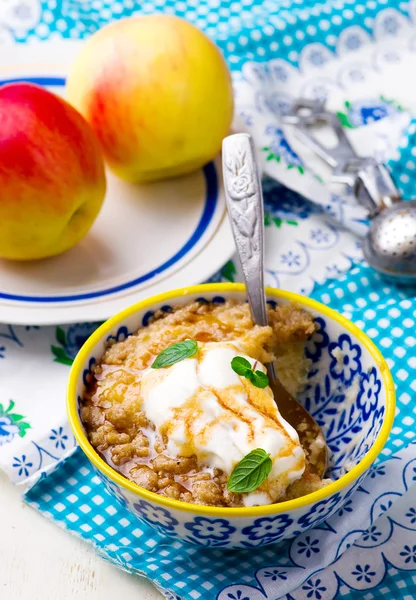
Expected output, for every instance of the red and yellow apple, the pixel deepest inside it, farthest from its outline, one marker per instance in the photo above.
(52, 179)
(157, 93)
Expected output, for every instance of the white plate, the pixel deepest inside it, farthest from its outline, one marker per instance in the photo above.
(147, 239)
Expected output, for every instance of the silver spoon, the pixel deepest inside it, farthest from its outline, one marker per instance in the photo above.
(390, 244)
(245, 207)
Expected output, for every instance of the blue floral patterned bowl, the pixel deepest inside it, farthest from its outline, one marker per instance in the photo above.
(350, 393)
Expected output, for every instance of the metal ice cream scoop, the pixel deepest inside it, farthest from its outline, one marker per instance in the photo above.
(245, 207)
(390, 244)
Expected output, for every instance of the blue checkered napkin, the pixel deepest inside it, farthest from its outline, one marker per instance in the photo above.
(75, 497)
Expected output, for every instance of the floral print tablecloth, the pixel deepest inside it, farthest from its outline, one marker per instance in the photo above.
(356, 54)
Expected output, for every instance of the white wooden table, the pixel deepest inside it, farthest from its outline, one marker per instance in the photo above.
(39, 561)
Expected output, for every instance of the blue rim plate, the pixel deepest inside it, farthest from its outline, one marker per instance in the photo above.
(147, 239)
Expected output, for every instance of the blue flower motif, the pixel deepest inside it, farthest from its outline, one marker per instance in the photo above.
(76, 336)
(369, 111)
(372, 534)
(319, 511)
(280, 73)
(412, 515)
(317, 342)
(156, 515)
(347, 508)
(7, 430)
(391, 25)
(290, 259)
(345, 359)
(317, 58)
(377, 470)
(385, 507)
(391, 56)
(2, 351)
(409, 553)
(367, 398)
(23, 12)
(319, 236)
(59, 437)
(363, 573)
(276, 103)
(238, 596)
(22, 465)
(314, 589)
(268, 528)
(353, 42)
(280, 146)
(247, 118)
(335, 207)
(308, 547)
(319, 92)
(275, 574)
(214, 529)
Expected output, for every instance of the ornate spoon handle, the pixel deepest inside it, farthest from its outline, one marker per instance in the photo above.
(245, 207)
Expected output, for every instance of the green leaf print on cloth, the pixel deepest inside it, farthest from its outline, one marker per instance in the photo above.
(277, 221)
(367, 111)
(277, 157)
(229, 271)
(71, 341)
(11, 424)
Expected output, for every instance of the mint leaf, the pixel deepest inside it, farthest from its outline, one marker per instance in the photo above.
(259, 379)
(175, 353)
(250, 472)
(240, 365)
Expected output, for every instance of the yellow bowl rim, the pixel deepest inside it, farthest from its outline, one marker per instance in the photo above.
(257, 511)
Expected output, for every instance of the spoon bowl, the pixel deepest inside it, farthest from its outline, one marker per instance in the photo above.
(390, 245)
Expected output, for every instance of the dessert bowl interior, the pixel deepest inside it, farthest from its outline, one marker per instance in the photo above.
(349, 391)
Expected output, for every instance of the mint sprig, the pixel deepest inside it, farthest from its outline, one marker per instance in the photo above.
(175, 353)
(250, 472)
(242, 367)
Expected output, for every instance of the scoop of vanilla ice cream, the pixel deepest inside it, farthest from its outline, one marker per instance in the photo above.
(205, 409)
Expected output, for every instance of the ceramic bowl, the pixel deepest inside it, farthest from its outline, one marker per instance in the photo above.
(350, 393)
